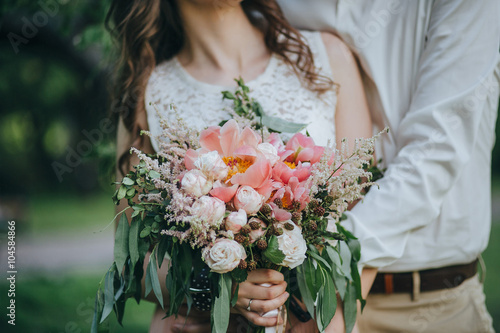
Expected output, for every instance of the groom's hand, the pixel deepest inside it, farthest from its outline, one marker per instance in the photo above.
(264, 299)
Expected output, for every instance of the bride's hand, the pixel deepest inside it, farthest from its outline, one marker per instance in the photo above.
(264, 299)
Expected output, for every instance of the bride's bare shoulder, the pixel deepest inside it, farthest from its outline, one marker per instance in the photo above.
(340, 55)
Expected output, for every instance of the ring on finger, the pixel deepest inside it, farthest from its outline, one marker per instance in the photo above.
(249, 304)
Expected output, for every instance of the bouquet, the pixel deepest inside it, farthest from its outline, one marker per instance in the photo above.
(233, 198)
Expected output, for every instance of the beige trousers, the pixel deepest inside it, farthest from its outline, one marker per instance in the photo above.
(455, 310)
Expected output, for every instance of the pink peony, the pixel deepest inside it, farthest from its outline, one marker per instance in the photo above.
(303, 149)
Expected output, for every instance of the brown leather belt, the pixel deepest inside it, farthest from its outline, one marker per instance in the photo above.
(430, 279)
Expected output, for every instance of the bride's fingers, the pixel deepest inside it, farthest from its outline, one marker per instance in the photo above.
(262, 275)
(255, 291)
(261, 306)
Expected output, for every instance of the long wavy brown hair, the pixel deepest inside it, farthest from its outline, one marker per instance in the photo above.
(150, 31)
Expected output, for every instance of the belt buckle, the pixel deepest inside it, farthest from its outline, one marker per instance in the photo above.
(388, 283)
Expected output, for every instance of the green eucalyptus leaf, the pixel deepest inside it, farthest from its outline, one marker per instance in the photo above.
(321, 260)
(234, 299)
(127, 181)
(152, 281)
(145, 232)
(109, 293)
(304, 289)
(281, 125)
(121, 242)
(350, 308)
(221, 306)
(133, 240)
(327, 304)
(272, 252)
(122, 191)
(154, 174)
(346, 256)
(130, 193)
(355, 248)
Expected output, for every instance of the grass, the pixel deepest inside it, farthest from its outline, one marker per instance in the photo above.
(65, 305)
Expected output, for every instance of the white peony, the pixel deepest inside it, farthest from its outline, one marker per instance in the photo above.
(224, 255)
(293, 245)
(209, 209)
(331, 227)
(212, 165)
(236, 220)
(269, 151)
(196, 183)
(248, 199)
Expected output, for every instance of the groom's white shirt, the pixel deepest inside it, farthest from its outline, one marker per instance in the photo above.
(433, 63)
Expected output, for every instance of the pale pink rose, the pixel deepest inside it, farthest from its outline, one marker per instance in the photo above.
(236, 220)
(195, 182)
(293, 246)
(304, 149)
(210, 210)
(224, 255)
(256, 234)
(331, 227)
(248, 199)
(212, 165)
(269, 151)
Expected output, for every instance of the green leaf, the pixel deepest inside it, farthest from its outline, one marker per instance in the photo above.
(257, 109)
(130, 193)
(133, 241)
(313, 280)
(235, 295)
(227, 95)
(221, 306)
(121, 242)
(122, 191)
(304, 290)
(239, 275)
(98, 306)
(109, 293)
(321, 260)
(281, 125)
(327, 304)
(350, 308)
(152, 281)
(127, 181)
(153, 174)
(273, 253)
(163, 247)
(145, 232)
(355, 248)
(345, 255)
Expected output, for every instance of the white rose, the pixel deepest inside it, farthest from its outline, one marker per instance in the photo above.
(196, 183)
(293, 245)
(269, 151)
(212, 165)
(331, 227)
(248, 199)
(209, 209)
(236, 220)
(224, 255)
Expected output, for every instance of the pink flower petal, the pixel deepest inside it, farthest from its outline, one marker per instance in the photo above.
(249, 137)
(226, 194)
(191, 156)
(209, 139)
(229, 134)
(255, 175)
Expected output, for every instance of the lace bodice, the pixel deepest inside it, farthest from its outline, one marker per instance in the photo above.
(278, 90)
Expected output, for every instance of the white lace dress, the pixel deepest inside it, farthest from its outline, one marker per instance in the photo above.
(278, 90)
